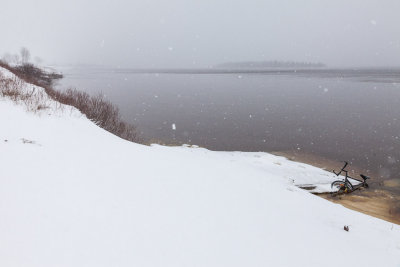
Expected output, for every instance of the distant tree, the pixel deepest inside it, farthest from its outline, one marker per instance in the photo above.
(10, 58)
(7, 58)
(25, 55)
(38, 60)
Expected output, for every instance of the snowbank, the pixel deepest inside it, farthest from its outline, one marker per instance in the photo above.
(72, 194)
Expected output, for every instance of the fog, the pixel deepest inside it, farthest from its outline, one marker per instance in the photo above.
(174, 33)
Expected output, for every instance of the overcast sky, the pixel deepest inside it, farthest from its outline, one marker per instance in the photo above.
(175, 33)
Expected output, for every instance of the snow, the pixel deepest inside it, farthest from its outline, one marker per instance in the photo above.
(76, 195)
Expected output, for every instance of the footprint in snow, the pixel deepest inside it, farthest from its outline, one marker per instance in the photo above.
(27, 141)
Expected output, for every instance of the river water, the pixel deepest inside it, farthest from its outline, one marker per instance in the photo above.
(340, 114)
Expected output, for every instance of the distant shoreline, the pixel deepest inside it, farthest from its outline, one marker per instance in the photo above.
(270, 64)
(219, 70)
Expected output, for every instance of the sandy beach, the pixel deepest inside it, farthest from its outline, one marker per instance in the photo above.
(381, 199)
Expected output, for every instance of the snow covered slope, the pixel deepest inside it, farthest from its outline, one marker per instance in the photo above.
(72, 194)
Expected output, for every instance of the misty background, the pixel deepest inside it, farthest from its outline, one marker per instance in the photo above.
(175, 33)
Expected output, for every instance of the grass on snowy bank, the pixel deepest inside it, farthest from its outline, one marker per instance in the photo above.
(13, 88)
(99, 110)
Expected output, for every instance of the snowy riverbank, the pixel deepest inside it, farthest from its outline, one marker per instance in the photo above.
(72, 194)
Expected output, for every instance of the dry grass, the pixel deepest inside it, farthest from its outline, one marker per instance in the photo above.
(13, 88)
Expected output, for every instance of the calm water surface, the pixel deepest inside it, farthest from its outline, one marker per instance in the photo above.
(351, 115)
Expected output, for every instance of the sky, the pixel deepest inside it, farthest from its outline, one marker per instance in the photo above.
(203, 33)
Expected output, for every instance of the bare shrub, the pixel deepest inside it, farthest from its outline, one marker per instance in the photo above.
(35, 75)
(96, 108)
(99, 110)
(11, 88)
